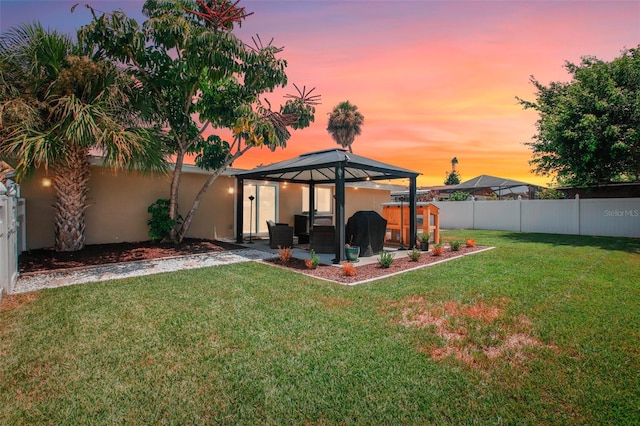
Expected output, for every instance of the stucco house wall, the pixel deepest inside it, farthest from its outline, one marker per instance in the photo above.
(118, 202)
(356, 199)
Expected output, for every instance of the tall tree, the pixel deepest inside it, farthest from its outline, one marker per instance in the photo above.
(345, 123)
(188, 60)
(56, 105)
(588, 132)
(453, 177)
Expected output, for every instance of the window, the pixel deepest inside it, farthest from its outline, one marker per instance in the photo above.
(324, 199)
(262, 209)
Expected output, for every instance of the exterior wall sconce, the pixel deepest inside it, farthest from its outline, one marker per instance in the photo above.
(46, 182)
(230, 190)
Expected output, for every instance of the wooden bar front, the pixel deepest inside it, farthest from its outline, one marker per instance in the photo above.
(398, 223)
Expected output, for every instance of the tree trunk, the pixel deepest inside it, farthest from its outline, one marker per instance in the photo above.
(71, 185)
(173, 197)
(181, 230)
(196, 203)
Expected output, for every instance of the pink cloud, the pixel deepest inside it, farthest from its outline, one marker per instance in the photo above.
(434, 79)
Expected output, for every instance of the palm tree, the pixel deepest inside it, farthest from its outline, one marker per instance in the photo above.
(345, 123)
(56, 108)
(453, 177)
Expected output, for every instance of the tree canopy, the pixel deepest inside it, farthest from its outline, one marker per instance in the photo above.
(453, 178)
(588, 132)
(197, 73)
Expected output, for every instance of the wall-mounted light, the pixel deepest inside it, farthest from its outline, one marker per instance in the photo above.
(230, 190)
(46, 182)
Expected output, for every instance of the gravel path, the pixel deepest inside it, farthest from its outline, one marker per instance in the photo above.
(41, 280)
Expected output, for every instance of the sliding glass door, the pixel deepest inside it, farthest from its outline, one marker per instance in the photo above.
(262, 208)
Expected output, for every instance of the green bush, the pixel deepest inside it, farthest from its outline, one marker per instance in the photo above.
(414, 255)
(386, 259)
(549, 194)
(459, 196)
(455, 245)
(160, 224)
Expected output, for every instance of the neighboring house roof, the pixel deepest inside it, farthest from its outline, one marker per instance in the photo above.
(486, 181)
(320, 168)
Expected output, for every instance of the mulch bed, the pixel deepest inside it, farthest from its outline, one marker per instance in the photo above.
(371, 271)
(99, 254)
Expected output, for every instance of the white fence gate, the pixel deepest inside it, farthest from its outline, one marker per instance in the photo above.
(12, 235)
(614, 217)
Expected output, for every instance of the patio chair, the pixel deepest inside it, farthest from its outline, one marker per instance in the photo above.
(280, 235)
(323, 239)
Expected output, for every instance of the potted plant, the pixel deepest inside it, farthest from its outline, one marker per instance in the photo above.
(351, 252)
(424, 242)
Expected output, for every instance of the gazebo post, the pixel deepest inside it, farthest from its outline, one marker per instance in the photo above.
(340, 237)
(312, 206)
(413, 199)
(239, 210)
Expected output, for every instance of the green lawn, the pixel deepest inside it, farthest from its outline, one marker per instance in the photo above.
(544, 329)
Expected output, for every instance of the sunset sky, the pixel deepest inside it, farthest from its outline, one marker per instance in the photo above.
(434, 79)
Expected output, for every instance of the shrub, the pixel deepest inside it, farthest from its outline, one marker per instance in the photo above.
(386, 259)
(285, 254)
(549, 194)
(437, 250)
(348, 269)
(455, 245)
(470, 242)
(414, 255)
(313, 261)
(459, 196)
(160, 224)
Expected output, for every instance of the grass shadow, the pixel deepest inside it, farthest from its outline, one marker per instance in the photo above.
(625, 244)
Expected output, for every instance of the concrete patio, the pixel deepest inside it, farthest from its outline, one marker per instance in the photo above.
(302, 252)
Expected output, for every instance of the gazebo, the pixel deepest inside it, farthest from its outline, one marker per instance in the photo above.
(333, 166)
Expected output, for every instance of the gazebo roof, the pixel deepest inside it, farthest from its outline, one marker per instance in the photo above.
(320, 168)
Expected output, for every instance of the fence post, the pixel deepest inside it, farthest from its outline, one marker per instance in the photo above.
(4, 252)
(473, 212)
(8, 237)
(520, 213)
(578, 218)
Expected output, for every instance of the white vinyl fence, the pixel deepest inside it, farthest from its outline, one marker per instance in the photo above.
(12, 235)
(615, 217)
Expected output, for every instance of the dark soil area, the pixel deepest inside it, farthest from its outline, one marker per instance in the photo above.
(99, 254)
